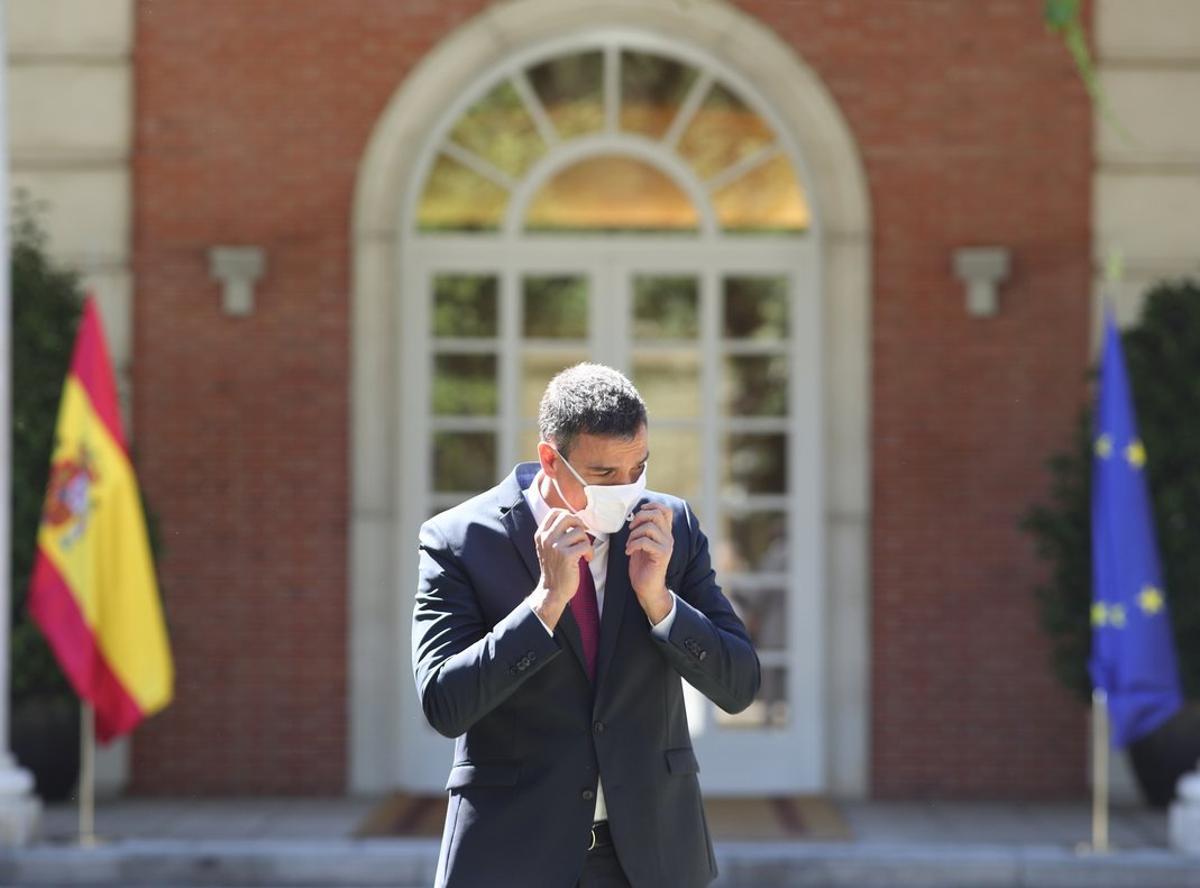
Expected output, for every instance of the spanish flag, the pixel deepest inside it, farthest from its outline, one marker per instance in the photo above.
(93, 590)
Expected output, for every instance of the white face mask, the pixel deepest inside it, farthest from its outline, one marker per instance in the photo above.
(609, 506)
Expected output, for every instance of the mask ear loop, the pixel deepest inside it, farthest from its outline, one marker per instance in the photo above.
(633, 508)
(558, 489)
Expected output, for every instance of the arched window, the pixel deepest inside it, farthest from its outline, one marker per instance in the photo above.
(620, 199)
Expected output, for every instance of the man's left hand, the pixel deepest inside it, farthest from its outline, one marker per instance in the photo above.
(649, 548)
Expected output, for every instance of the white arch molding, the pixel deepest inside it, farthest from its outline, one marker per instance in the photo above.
(836, 188)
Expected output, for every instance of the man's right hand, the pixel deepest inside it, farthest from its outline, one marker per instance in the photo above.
(561, 541)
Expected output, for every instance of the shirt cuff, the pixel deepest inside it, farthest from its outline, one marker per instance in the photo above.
(663, 628)
(550, 631)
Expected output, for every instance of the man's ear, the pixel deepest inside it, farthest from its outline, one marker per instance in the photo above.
(548, 458)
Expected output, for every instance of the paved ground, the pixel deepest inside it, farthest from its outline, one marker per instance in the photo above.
(890, 823)
(288, 843)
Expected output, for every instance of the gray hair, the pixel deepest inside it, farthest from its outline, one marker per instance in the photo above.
(589, 399)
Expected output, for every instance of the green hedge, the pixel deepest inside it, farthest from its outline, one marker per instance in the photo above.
(46, 305)
(1163, 356)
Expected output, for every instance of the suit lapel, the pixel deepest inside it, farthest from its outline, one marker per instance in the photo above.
(518, 522)
(617, 592)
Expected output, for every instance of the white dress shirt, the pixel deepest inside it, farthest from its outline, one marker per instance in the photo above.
(599, 568)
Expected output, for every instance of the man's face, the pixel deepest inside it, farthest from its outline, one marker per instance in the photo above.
(599, 459)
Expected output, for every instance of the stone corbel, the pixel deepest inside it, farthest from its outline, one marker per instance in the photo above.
(237, 268)
(982, 269)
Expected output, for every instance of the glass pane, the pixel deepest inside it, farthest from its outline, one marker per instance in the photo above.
(499, 129)
(769, 710)
(652, 89)
(766, 200)
(537, 369)
(666, 307)
(724, 131)
(755, 463)
(765, 615)
(555, 307)
(756, 308)
(756, 385)
(457, 198)
(753, 542)
(669, 384)
(611, 194)
(465, 385)
(464, 305)
(571, 89)
(464, 461)
(675, 461)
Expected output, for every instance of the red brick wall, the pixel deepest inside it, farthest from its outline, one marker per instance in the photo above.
(251, 122)
(974, 130)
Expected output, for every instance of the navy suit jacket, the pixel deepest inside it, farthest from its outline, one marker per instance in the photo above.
(533, 733)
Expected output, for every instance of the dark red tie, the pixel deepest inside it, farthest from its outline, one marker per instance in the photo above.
(586, 609)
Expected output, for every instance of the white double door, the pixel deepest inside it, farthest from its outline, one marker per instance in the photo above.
(724, 343)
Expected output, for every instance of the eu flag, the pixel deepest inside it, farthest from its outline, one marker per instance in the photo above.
(1133, 654)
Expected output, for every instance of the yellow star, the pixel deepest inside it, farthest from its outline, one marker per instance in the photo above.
(1104, 447)
(1116, 616)
(1099, 614)
(1136, 453)
(1150, 600)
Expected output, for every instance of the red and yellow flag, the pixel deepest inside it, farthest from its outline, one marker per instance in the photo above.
(93, 590)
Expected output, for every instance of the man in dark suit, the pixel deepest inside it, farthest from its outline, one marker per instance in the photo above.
(550, 637)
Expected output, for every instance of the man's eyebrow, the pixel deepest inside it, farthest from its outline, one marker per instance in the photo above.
(645, 458)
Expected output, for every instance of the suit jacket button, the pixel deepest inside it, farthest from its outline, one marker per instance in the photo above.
(588, 795)
(598, 727)
(701, 655)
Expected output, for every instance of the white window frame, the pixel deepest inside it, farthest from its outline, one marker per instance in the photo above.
(730, 763)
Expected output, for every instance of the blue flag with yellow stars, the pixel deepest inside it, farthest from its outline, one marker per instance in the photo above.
(1133, 652)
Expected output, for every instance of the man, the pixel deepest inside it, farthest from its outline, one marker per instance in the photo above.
(550, 637)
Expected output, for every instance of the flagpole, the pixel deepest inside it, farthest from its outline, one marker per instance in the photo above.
(87, 775)
(1099, 771)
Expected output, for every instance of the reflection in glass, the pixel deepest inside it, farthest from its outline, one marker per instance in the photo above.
(764, 611)
(464, 385)
(498, 128)
(769, 710)
(756, 307)
(464, 305)
(611, 194)
(756, 463)
(666, 307)
(571, 89)
(675, 461)
(555, 307)
(756, 385)
(669, 384)
(765, 200)
(458, 198)
(724, 131)
(753, 542)
(652, 89)
(463, 462)
(537, 369)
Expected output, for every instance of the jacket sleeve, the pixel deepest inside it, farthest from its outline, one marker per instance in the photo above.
(463, 667)
(708, 644)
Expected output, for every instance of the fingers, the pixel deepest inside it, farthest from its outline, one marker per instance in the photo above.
(561, 532)
(659, 513)
(653, 548)
(649, 537)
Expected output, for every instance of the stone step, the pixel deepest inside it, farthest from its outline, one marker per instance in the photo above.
(409, 863)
